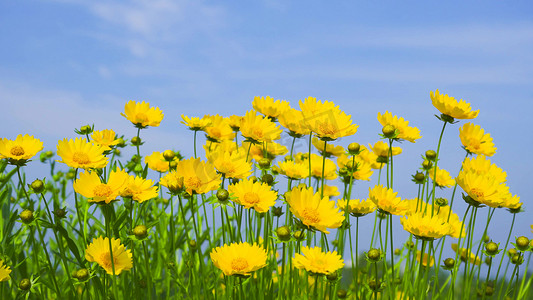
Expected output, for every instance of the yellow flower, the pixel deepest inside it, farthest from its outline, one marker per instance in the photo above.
(466, 254)
(4, 272)
(294, 170)
(330, 148)
(234, 122)
(371, 158)
(317, 262)
(425, 259)
(356, 207)
(239, 258)
(219, 130)
(173, 181)
(268, 107)
(327, 120)
(386, 200)
(425, 226)
(258, 128)
(483, 188)
(475, 140)
(405, 132)
(157, 162)
(331, 191)
(293, 120)
(512, 203)
(89, 185)
(450, 107)
(98, 251)
(482, 165)
(232, 164)
(198, 176)
(363, 170)
(105, 138)
(19, 151)
(142, 115)
(256, 195)
(195, 123)
(314, 211)
(139, 189)
(443, 177)
(381, 149)
(212, 150)
(80, 154)
(330, 169)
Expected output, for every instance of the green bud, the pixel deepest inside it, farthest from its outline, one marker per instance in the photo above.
(268, 179)
(136, 141)
(25, 284)
(491, 248)
(427, 164)
(298, 235)
(82, 274)
(517, 259)
(441, 202)
(419, 177)
(169, 155)
(37, 186)
(264, 163)
(283, 233)
(449, 263)
(192, 244)
(140, 232)
(374, 255)
(374, 284)
(341, 294)
(332, 276)
(26, 216)
(222, 195)
(354, 148)
(277, 211)
(431, 155)
(389, 131)
(60, 213)
(522, 243)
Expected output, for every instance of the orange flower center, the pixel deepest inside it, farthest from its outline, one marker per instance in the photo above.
(105, 260)
(239, 264)
(258, 132)
(251, 198)
(478, 194)
(193, 183)
(17, 151)
(214, 133)
(310, 215)
(325, 128)
(102, 190)
(81, 158)
(141, 118)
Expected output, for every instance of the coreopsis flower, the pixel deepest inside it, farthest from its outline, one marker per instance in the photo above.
(99, 251)
(387, 201)
(256, 195)
(239, 258)
(212, 150)
(315, 261)
(326, 120)
(258, 129)
(90, 186)
(198, 176)
(425, 226)
(157, 162)
(173, 181)
(330, 191)
(234, 122)
(274, 149)
(451, 107)
(330, 169)
(356, 207)
(20, 150)
(512, 203)
(142, 115)
(195, 123)
(219, 130)
(78, 153)
(293, 120)
(482, 165)
(294, 170)
(465, 254)
(370, 157)
(139, 189)
(425, 260)
(105, 138)
(268, 107)
(381, 149)
(475, 140)
(443, 177)
(330, 148)
(4, 272)
(404, 131)
(362, 170)
(313, 210)
(483, 189)
(232, 164)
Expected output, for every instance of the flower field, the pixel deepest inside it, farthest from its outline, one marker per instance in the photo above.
(247, 217)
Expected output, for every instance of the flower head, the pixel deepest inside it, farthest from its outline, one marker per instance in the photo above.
(4, 272)
(20, 150)
(315, 261)
(326, 119)
(293, 120)
(89, 185)
(99, 251)
(482, 165)
(381, 149)
(425, 260)
(232, 164)
(294, 170)
(142, 115)
(425, 226)
(483, 189)
(314, 211)
(157, 162)
(173, 181)
(239, 258)
(139, 189)
(404, 131)
(259, 129)
(386, 200)
(443, 177)
(268, 107)
(451, 107)
(78, 153)
(330, 169)
(198, 176)
(356, 166)
(195, 123)
(256, 195)
(219, 130)
(356, 207)
(475, 140)
(330, 149)
(105, 138)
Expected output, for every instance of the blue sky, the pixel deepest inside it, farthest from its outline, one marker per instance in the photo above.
(67, 63)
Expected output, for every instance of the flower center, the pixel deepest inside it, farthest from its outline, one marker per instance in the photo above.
(258, 132)
(326, 128)
(215, 133)
(141, 118)
(81, 158)
(193, 182)
(105, 259)
(239, 264)
(17, 151)
(102, 191)
(310, 215)
(251, 198)
(478, 194)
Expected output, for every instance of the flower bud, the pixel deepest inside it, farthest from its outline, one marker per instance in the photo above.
(264, 163)
(85, 129)
(121, 143)
(389, 131)
(82, 274)
(140, 232)
(26, 216)
(397, 251)
(168, 155)
(37, 186)
(25, 284)
(341, 294)
(71, 174)
(332, 276)
(419, 177)
(410, 245)
(288, 158)
(268, 179)
(173, 164)
(116, 152)
(222, 195)
(441, 202)
(298, 235)
(488, 260)
(138, 168)
(136, 141)
(491, 248)
(60, 213)
(192, 244)
(354, 148)
(489, 290)
(486, 238)
(283, 233)
(277, 211)
(431, 155)
(374, 255)
(374, 284)
(522, 243)
(253, 179)
(517, 259)
(449, 263)
(49, 154)
(427, 164)
(511, 252)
